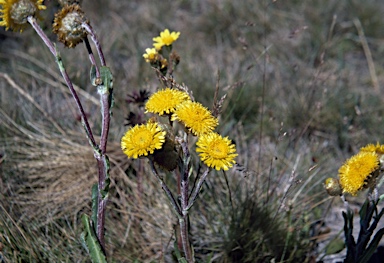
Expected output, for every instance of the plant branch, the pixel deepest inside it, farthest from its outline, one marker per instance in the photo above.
(184, 186)
(91, 56)
(67, 80)
(168, 192)
(95, 40)
(198, 188)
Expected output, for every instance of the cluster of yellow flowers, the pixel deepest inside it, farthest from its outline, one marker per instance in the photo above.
(144, 139)
(215, 151)
(358, 172)
(155, 55)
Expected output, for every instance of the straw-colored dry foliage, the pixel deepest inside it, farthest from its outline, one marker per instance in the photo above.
(302, 80)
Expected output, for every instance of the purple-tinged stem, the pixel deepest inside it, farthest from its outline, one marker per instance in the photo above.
(99, 153)
(91, 56)
(64, 73)
(184, 186)
(105, 122)
(104, 92)
(95, 40)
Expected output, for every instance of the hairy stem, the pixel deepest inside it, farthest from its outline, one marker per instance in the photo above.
(197, 189)
(168, 192)
(67, 80)
(95, 40)
(184, 186)
(91, 56)
(99, 150)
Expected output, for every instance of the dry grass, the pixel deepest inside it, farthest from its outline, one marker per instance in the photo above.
(303, 91)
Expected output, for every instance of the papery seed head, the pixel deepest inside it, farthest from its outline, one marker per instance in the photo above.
(68, 25)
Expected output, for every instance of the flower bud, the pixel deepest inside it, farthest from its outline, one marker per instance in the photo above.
(333, 187)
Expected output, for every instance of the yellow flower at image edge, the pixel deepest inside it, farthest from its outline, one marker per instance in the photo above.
(215, 151)
(142, 140)
(195, 117)
(14, 13)
(165, 39)
(165, 101)
(151, 55)
(379, 149)
(356, 170)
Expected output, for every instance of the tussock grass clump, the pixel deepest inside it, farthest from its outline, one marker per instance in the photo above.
(302, 84)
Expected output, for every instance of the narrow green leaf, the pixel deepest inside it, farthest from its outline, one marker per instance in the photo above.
(106, 76)
(180, 259)
(335, 246)
(107, 81)
(363, 210)
(93, 245)
(107, 182)
(95, 204)
(92, 75)
(372, 247)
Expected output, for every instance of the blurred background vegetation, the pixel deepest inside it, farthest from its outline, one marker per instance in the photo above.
(303, 80)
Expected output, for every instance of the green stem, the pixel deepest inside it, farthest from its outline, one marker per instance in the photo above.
(168, 193)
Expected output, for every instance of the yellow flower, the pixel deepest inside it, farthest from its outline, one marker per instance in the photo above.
(165, 39)
(165, 101)
(379, 149)
(151, 55)
(357, 170)
(195, 117)
(14, 13)
(216, 151)
(142, 139)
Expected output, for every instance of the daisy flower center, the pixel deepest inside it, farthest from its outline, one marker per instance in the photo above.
(219, 150)
(143, 138)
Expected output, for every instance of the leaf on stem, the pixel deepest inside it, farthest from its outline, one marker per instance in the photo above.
(89, 240)
(95, 204)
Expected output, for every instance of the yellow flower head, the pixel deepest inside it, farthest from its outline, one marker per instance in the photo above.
(195, 117)
(14, 13)
(216, 151)
(355, 172)
(142, 139)
(151, 56)
(165, 101)
(165, 39)
(379, 149)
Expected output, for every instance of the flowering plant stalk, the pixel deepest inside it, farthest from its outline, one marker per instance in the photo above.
(361, 251)
(359, 172)
(168, 143)
(72, 27)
